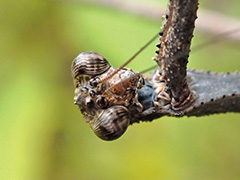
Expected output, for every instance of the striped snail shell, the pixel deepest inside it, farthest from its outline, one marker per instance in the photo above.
(88, 64)
(111, 123)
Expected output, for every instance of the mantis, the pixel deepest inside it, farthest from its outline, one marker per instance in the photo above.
(111, 99)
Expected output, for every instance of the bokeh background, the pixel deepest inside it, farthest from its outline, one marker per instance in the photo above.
(43, 135)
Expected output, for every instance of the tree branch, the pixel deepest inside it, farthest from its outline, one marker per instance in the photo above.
(198, 94)
(215, 93)
(173, 50)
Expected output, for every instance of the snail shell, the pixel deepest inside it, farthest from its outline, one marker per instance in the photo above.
(87, 65)
(111, 123)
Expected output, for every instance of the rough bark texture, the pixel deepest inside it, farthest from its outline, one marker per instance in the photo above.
(174, 47)
(198, 93)
(215, 93)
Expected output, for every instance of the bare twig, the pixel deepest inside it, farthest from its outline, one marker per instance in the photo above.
(213, 93)
(216, 93)
(174, 47)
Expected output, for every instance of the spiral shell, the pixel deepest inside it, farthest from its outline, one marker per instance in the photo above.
(87, 65)
(111, 123)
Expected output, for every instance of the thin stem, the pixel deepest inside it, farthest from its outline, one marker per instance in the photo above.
(174, 47)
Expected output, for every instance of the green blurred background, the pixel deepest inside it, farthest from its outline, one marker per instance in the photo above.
(43, 135)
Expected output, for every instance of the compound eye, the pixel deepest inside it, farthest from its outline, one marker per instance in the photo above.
(111, 123)
(87, 65)
(101, 102)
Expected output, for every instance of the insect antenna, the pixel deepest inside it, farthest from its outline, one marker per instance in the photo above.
(132, 76)
(128, 61)
(213, 40)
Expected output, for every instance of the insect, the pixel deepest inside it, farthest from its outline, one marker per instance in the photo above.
(105, 95)
(109, 98)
